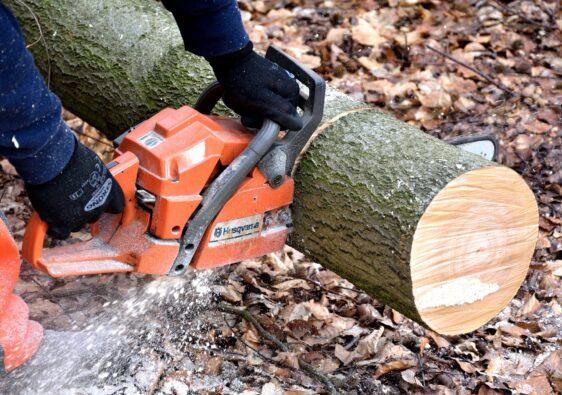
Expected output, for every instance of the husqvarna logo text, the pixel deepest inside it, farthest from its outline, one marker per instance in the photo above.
(236, 230)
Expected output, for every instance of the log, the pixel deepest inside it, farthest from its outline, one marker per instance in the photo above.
(443, 236)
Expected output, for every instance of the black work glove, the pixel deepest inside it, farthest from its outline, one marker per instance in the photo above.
(257, 88)
(79, 195)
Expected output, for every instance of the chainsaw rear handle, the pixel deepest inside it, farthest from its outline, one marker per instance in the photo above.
(124, 170)
(280, 159)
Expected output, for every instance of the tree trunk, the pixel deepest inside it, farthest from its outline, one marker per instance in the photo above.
(441, 235)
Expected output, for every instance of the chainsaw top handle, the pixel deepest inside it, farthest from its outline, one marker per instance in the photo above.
(280, 159)
(275, 158)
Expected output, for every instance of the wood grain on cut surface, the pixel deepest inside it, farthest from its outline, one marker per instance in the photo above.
(472, 248)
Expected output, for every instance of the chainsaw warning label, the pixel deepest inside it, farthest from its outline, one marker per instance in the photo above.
(236, 230)
(151, 139)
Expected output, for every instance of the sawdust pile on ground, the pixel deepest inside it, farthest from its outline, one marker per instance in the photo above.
(114, 333)
(495, 68)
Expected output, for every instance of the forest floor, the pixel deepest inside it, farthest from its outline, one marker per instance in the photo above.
(450, 67)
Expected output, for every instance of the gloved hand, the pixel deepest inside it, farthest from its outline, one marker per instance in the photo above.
(257, 88)
(79, 195)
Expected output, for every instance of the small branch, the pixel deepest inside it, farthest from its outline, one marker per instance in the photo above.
(82, 133)
(305, 366)
(421, 365)
(323, 288)
(250, 318)
(247, 345)
(41, 38)
(474, 70)
(265, 358)
(509, 11)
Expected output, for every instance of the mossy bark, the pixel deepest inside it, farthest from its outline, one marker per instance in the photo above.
(361, 188)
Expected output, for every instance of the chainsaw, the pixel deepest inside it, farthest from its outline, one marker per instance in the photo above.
(201, 191)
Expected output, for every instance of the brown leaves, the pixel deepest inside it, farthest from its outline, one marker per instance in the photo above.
(537, 127)
(327, 323)
(530, 306)
(394, 358)
(366, 348)
(376, 51)
(432, 95)
(365, 34)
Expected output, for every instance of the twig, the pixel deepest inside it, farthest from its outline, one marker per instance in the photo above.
(80, 132)
(308, 368)
(265, 358)
(41, 38)
(420, 362)
(322, 287)
(249, 346)
(509, 11)
(474, 70)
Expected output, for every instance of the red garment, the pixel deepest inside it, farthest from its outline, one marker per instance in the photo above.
(19, 337)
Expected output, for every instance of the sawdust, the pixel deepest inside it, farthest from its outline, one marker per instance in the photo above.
(117, 350)
(455, 293)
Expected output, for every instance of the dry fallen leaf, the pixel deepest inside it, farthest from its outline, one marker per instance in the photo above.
(537, 127)
(370, 344)
(432, 95)
(272, 388)
(228, 293)
(288, 359)
(345, 356)
(440, 341)
(530, 306)
(399, 364)
(536, 384)
(317, 310)
(292, 284)
(466, 366)
(336, 35)
(366, 34)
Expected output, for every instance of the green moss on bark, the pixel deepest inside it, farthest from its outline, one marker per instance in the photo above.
(114, 63)
(361, 190)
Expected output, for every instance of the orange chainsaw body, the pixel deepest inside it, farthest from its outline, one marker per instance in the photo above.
(163, 166)
(200, 191)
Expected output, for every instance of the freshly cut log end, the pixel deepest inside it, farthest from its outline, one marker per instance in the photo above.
(471, 249)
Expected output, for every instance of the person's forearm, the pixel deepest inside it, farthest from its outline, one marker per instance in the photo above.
(33, 135)
(209, 27)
